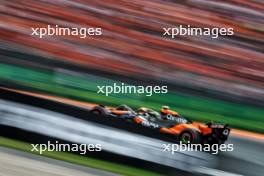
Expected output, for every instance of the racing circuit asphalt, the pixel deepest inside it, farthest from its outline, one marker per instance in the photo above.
(87, 105)
(246, 159)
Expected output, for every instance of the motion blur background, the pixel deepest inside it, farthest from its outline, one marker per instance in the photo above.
(208, 79)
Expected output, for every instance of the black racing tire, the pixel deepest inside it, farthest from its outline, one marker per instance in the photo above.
(190, 136)
(99, 111)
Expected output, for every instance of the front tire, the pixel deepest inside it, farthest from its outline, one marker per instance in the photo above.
(99, 110)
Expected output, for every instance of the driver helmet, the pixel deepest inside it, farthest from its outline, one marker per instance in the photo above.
(164, 109)
(154, 114)
(142, 110)
(122, 107)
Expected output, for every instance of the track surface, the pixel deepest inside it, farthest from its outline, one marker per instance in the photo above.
(86, 105)
(27, 164)
(113, 140)
(246, 159)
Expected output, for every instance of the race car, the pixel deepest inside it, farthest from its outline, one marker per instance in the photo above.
(122, 111)
(125, 112)
(169, 122)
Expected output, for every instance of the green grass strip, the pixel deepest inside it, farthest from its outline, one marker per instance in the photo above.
(77, 159)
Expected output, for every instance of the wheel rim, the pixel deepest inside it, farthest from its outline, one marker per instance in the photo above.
(96, 112)
(186, 137)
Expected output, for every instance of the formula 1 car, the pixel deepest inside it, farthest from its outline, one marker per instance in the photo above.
(169, 122)
(122, 111)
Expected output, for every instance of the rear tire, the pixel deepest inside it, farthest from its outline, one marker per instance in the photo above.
(190, 136)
